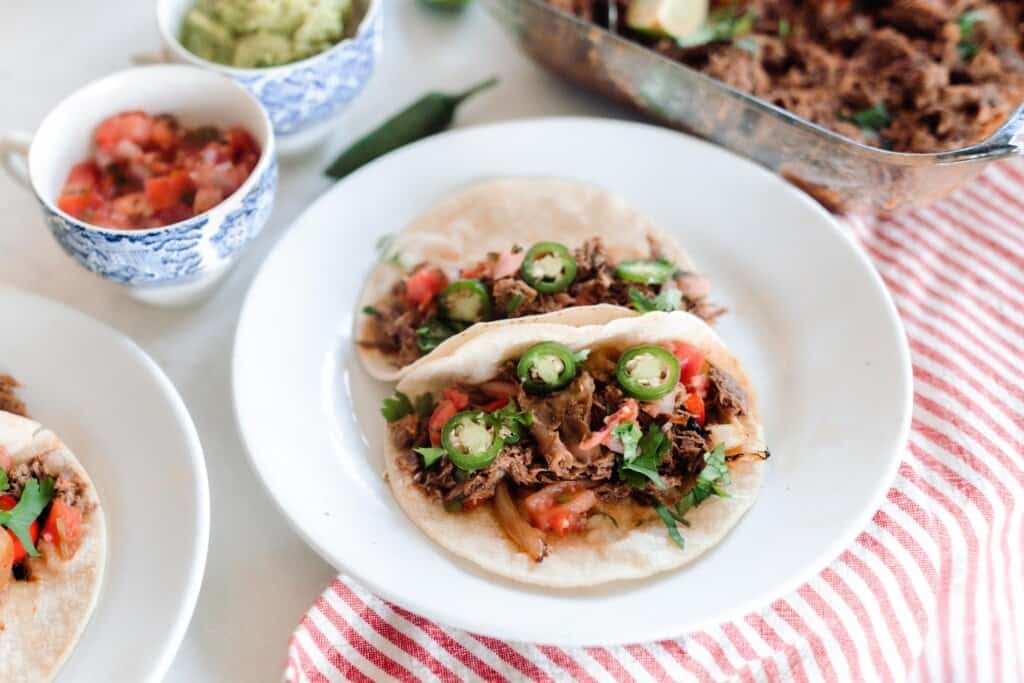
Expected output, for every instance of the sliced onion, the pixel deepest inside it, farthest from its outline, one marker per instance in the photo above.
(529, 539)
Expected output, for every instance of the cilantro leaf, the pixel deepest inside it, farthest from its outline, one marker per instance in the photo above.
(430, 335)
(424, 405)
(784, 28)
(511, 421)
(670, 523)
(873, 119)
(431, 454)
(34, 499)
(370, 310)
(668, 300)
(723, 25)
(967, 21)
(651, 448)
(629, 435)
(396, 407)
(3, 480)
(711, 481)
(513, 303)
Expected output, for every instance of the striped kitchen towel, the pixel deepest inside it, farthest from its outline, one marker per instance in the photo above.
(932, 589)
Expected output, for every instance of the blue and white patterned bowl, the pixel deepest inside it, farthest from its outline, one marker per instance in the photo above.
(303, 94)
(177, 263)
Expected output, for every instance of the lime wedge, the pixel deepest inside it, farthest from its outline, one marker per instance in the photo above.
(672, 18)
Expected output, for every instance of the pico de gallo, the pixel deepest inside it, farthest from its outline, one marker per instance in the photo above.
(150, 171)
(561, 437)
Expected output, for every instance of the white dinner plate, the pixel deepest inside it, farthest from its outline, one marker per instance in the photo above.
(808, 316)
(123, 419)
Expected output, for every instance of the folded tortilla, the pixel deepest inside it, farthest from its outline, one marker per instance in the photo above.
(494, 215)
(42, 619)
(639, 546)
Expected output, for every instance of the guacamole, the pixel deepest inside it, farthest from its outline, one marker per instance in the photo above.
(262, 33)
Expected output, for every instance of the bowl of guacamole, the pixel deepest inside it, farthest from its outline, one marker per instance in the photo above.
(303, 59)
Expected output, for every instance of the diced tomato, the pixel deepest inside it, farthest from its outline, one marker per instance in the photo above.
(84, 177)
(133, 126)
(206, 199)
(172, 215)
(79, 205)
(496, 404)
(561, 507)
(241, 143)
(8, 503)
(164, 133)
(444, 411)
(63, 528)
(627, 412)
(479, 270)
(134, 205)
(459, 399)
(423, 285)
(691, 359)
(694, 405)
(169, 191)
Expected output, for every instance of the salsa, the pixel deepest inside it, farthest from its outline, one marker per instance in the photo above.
(151, 171)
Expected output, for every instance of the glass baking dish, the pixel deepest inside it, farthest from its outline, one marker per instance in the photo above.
(842, 173)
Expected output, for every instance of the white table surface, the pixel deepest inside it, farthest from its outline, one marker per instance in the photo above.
(260, 576)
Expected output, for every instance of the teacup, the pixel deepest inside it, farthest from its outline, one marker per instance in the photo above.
(170, 265)
(303, 97)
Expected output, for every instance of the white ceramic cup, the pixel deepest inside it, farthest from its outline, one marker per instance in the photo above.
(171, 265)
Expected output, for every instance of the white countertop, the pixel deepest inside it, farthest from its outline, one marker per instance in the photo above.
(260, 577)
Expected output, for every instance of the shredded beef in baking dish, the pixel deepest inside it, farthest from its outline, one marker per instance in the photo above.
(906, 75)
(9, 402)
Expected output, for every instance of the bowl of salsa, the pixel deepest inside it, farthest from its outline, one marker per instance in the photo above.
(155, 178)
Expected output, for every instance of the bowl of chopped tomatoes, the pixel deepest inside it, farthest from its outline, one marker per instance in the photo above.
(155, 178)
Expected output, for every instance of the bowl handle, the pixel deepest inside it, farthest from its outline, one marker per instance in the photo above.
(14, 156)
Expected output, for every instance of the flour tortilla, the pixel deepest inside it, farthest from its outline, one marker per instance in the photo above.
(603, 553)
(41, 620)
(492, 216)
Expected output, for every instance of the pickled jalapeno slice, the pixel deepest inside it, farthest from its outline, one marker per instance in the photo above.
(471, 439)
(546, 367)
(647, 372)
(647, 271)
(549, 267)
(466, 301)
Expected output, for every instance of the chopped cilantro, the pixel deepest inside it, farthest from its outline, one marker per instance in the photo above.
(784, 28)
(454, 505)
(513, 303)
(668, 300)
(670, 523)
(967, 21)
(430, 335)
(723, 25)
(34, 499)
(370, 310)
(396, 407)
(424, 405)
(647, 455)
(748, 44)
(512, 420)
(431, 454)
(629, 436)
(712, 480)
(383, 242)
(873, 119)
(598, 513)
(3, 480)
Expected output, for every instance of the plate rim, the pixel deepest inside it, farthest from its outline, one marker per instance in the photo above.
(451, 618)
(160, 664)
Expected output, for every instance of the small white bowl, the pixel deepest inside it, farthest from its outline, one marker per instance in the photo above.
(301, 98)
(171, 265)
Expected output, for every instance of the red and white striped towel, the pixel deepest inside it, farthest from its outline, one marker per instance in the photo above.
(932, 589)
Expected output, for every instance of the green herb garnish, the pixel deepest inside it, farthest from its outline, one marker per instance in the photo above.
(581, 355)
(34, 499)
(424, 405)
(454, 505)
(370, 310)
(430, 335)
(722, 26)
(396, 407)
(642, 455)
(873, 119)
(513, 303)
(598, 513)
(431, 454)
(711, 481)
(967, 22)
(668, 300)
(670, 523)
(784, 28)
(3, 480)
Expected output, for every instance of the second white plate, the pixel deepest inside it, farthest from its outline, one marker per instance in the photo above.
(808, 316)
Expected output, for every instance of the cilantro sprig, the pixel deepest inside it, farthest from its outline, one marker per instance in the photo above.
(511, 420)
(430, 335)
(398, 405)
(668, 299)
(967, 21)
(3, 480)
(873, 119)
(723, 25)
(34, 499)
(711, 481)
(641, 455)
(431, 454)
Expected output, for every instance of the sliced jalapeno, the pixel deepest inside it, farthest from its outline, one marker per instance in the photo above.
(546, 367)
(647, 372)
(549, 267)
(471, 439)
(466, 301)
(651, 272)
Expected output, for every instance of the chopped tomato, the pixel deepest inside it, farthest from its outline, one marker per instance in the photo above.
(561, 507)
(508, 263)
(627, 412)
(164, 133)
(444, 411)
(207, 198)
(84, 177)
(241, 143)
(496, 404)
(169, 191)
(8, 503)
(691, 359)
(423, 285)
(63, 528)
(459, 399)
(479, 270)
(79, 205)
(694, 405)
(133, 126)
(134, 205)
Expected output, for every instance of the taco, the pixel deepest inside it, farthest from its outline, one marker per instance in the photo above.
(509, 248)
(568, 455)
(52, 550)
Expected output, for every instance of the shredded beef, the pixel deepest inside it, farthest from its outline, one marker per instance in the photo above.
(9, 402)
(947, 79)
(726, 398)
(67, 485)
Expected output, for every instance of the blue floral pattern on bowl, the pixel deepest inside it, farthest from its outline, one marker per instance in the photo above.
(170, 255)
(296, 98)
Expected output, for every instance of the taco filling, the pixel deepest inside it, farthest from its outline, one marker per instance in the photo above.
(429, 304)
(560, 441)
